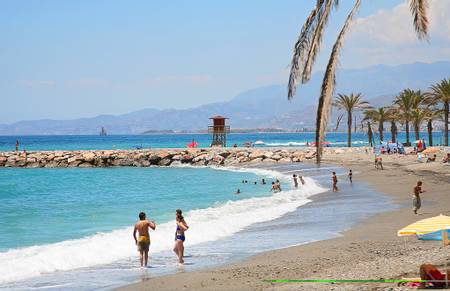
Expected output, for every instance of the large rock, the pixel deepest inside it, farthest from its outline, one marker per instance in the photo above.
(165, 162)
(85, 165)
(89, 156)
(187, 158)
(256, 154)
(164, 155)
(154, 159)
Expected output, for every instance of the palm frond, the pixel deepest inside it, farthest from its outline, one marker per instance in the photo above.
(420, 19)
(301, 46)
(316, 39)
(338, 121)
(329, 80)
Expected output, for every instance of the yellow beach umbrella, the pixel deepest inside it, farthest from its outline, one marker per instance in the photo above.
(427, 225)
(434, 228)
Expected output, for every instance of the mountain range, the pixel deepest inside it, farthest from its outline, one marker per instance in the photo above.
(263, 107)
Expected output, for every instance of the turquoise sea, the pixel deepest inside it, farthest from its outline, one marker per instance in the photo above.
(86, 142)
(71, 229)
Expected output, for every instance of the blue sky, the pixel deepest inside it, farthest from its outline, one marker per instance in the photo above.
(70, 59)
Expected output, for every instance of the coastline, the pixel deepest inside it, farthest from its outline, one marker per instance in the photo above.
(368, 250)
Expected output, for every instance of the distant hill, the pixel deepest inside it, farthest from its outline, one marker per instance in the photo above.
(264, 107)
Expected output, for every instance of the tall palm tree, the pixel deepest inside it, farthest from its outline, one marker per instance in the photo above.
(369, 133)
(307, 48)
(379, 115)
(419, 112)
(405, 102)
(440, 93)
(418, 116)
(350, 103)
(393, 118)
(433, 114)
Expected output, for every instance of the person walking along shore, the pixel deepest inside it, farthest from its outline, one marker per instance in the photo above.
(417, 202)
(179, 235)
(143, 241)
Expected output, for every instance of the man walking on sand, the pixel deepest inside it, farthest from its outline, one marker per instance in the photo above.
(143, 242)
(417, 203)
(335, 180)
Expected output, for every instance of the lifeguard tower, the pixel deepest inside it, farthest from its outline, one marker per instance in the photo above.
(219, 131)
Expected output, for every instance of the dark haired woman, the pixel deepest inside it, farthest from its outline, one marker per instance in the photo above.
(179, 235)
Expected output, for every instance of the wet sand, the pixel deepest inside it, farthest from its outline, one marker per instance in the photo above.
(369, 250)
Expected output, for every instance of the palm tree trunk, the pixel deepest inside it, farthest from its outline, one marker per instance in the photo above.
(349, 129)
(408, 143)
(446, 108)
(381, 129)
(393, 131)
(416, 131)
(430, 132)
(369, 134)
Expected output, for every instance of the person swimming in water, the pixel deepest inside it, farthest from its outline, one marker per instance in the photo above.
(179, 235)
(143, 241)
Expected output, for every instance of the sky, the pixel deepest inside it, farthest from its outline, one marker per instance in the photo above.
(69, 59)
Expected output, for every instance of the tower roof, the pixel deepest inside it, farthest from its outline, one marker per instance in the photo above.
(218, 117)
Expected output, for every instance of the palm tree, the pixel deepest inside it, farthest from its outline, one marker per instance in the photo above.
(370, 133)
(440, 93)
(379, 115)
(433, 114)
(405, 102)
(350, 103)
(418, 116)
(419, 112)
(393, 118)
(307, 48)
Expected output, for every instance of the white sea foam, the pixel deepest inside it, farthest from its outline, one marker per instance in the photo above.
(294, 143)
(289, 144)
(207, 224)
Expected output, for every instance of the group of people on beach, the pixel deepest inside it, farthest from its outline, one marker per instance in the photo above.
(142, 241)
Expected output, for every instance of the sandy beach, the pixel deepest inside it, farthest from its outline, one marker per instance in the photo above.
(369, 250)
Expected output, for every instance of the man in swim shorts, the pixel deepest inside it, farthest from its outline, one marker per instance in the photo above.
(335, 181)
(417, 203)
(143, 241)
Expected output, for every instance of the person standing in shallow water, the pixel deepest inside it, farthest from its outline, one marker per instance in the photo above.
(301, 180)
(335, 181)
(179, 235)
(17, 145)
(350, 176)
(294, 177)
(417, 203)
(143, 241)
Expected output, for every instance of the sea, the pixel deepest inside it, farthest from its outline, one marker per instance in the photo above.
(97, 142)
(71, 228)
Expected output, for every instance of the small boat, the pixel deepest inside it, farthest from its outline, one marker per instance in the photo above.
(103, 132)
(259, 142)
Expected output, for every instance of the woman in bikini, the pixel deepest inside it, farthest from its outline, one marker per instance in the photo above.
(179, 235)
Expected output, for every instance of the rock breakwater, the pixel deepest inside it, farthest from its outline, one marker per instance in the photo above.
(146, 158)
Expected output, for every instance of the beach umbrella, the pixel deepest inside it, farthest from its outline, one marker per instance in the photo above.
(193, 144)
(434, 228)
(428, 225)
(431, 150)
